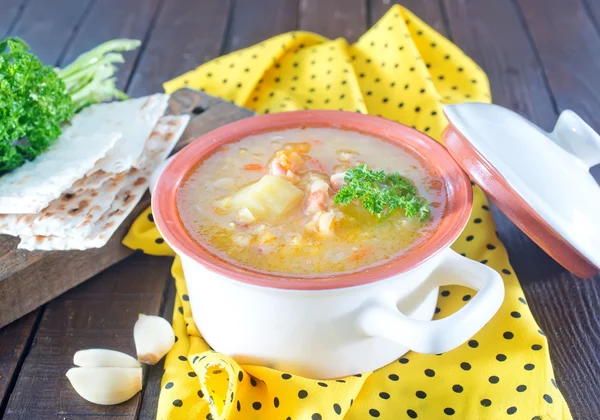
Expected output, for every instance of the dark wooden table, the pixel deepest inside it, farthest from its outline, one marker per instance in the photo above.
(542, 56)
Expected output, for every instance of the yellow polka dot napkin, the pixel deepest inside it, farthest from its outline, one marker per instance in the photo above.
(403, 70)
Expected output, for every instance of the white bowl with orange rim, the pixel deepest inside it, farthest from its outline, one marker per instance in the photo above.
(338, 324)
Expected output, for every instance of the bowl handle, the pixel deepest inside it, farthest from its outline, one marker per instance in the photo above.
(575, 136)
(442, 335)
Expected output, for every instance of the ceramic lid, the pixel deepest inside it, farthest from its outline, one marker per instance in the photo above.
(542, 181)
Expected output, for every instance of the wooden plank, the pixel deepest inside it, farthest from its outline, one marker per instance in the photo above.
(151, 391)
(48, 274)
(334, 18)
(49, 29)
(98, 314)
(249, 17)
(563, 305)
(110, 19)
(22, 18)
(569, 56)
(36, 27)
(14, 340)
(496, 39)
(571, 74)
(187, 33)
(593, 9)
(21, 271)
(11, 10)
(429, 11)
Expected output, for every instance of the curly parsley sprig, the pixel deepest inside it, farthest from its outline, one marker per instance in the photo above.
(36, 99)
(34, 103)
(381, 193)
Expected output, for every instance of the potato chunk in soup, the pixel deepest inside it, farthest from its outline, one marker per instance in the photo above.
(267, 202)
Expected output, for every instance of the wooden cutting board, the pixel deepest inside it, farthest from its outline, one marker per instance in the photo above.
(30, 279)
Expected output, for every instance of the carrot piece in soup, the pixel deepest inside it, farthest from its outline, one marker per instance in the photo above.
(254, 167)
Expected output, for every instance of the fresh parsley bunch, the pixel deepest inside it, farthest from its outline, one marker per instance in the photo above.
(36, 99)
(33, 104)
(381, 193)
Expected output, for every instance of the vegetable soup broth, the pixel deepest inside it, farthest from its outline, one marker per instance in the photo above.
(297, 242)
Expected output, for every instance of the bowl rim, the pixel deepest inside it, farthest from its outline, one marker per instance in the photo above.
(456, 214)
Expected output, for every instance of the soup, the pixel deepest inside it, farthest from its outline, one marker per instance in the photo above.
(271, 202)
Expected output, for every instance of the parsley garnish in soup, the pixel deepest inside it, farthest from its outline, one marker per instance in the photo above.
(310, 201)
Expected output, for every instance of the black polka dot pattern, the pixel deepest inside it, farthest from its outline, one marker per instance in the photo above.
(337, 409)
(374, 413)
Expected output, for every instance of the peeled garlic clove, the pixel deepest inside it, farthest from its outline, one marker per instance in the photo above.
(106, 385)
(104, 358)
(153, 337)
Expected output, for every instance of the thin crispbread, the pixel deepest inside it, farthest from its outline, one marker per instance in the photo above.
(76, 209)
(133, 118)
(157, 148)
(31, 187)
(75, 212)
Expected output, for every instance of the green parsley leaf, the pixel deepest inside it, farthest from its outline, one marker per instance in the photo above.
(381, 193)
(33, 104)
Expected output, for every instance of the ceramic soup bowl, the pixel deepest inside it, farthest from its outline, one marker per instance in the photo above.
(343, 324)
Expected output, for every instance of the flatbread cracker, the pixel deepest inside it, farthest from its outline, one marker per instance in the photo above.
(133, 118)
(75, 213)
(158, 147)
(76, 209)
(31, 187)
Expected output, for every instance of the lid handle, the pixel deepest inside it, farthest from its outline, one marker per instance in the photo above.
(576, 137)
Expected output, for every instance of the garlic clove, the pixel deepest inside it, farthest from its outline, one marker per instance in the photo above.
(153, 337)
(106, 385)
(104, 358)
